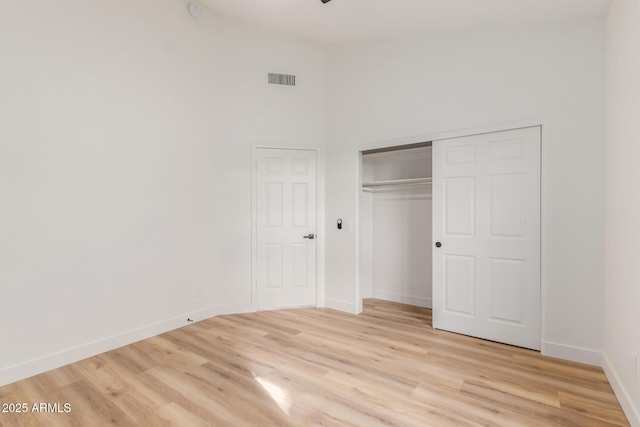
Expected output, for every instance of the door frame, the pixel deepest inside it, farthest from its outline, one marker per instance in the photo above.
(498, 127)
(320, 217)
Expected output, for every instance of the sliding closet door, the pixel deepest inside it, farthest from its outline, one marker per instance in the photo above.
(486, 236)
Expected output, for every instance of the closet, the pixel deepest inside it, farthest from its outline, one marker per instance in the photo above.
(395, 224)
(475, 257)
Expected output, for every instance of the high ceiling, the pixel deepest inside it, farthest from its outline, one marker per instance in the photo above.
(341, 21)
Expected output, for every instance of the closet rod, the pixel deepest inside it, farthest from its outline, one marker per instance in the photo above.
(394, 184)
(398, 147)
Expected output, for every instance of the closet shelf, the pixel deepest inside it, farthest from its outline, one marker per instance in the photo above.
(393, 184)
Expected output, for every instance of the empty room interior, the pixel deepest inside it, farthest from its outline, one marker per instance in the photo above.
(319, 212)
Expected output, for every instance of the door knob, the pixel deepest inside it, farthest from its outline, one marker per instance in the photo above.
(438, 244)
(309, 236)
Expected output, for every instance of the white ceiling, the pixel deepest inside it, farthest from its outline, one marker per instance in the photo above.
(341, 21)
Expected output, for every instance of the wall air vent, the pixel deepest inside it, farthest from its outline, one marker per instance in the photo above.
(282, 79)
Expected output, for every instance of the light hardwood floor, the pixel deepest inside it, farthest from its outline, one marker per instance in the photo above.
(319, 367)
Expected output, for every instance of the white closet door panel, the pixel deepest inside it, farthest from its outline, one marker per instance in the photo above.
(486, 274)
(460, 285)
(460, 198)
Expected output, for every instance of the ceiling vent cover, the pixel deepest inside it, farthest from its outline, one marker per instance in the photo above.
(282, 79)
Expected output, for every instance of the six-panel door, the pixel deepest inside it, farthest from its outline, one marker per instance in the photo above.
(286, 228)
(486, 270)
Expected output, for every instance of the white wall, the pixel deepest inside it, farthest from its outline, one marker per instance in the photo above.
(622, 219)
(125, 179)
(402, 246)
(389, 91)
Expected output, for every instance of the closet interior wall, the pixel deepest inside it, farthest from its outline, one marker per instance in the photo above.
(395, 225)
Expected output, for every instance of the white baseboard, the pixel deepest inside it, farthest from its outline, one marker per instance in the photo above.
(630, 407)
(64, 357)
(348, 307)
(223, 309)
(573, 353)
(403, 299)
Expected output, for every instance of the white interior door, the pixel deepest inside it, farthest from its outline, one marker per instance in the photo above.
(285, 229)
(486, 233)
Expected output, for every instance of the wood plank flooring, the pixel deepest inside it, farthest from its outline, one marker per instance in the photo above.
(318, 367)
